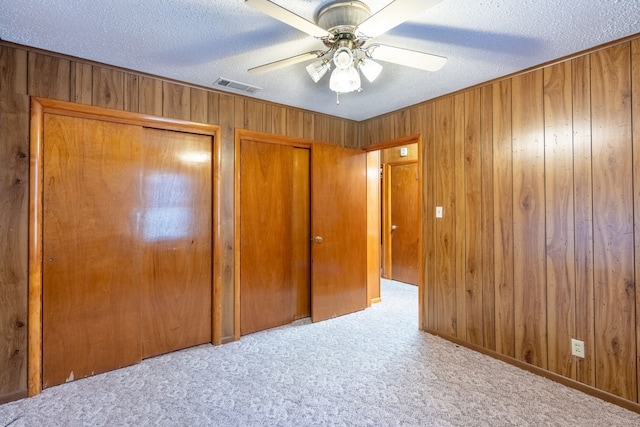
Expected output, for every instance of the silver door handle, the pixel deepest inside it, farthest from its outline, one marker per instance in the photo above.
(393, 227)
(317, 239)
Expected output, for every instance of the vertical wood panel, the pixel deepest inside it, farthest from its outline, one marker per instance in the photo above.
(473, 272)
(459, 211)
(13, 70)
(131, 92)
(199, 106)
(488, 262)
(150, 96)
(14, 209)
(81, 83)
(176, 101)
(295, 123)
(49, 77)
(559, 217)
(528, 219)
(503, 218)
(373, 226)
(278, 120)
(254, 116)
(108, 88)
(213, 109)
(635, 108)
(230, 328)
(613, 222)
(445, 274)
(583, 217)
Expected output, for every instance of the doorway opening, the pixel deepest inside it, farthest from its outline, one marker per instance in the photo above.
(394, 183)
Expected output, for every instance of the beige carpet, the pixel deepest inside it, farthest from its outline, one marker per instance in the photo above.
(372, 368)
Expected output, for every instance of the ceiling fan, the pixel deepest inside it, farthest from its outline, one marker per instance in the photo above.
(345, 27)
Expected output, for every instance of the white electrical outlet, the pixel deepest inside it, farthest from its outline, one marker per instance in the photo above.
(577, 348)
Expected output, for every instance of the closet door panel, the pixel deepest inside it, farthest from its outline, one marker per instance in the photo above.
(175, 230)
(92, 259)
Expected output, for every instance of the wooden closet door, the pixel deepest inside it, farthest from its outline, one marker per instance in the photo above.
(175, 230)
(92, 258)
(266, 186)
(405, 236)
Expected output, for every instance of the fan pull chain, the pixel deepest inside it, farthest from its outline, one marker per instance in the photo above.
(337, 98)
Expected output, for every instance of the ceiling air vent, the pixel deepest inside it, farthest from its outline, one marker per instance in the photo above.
(241, 87)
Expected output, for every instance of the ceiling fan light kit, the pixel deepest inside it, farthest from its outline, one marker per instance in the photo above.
(345, 27)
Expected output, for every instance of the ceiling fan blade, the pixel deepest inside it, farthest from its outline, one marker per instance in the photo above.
(406, 57)
(276, 65)
(393, 14)
(281, 14)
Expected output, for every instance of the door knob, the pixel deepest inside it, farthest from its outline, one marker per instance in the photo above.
(317, 239)
(393, 227)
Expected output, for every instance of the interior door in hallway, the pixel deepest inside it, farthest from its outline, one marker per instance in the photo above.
(274, 234)
(338, 216)
(405, 236)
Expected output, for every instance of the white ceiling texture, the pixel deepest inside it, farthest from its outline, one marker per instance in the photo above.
(198, 41)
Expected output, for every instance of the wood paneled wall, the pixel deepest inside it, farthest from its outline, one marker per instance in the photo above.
(539, 178)
(26, 72)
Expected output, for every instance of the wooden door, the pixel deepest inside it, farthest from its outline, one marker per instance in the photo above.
(338, 216)
(92, 263)
(405, 235)
(175, 229)
(267, 290)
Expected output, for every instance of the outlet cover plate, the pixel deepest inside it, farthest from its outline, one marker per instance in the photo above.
(577, 348)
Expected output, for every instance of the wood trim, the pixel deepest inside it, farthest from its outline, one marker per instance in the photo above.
(592, 391)
(34, 361)
(397, 142)
(40, 106)
(386, 222)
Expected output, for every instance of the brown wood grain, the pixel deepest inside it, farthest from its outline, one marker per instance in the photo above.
(108, 88)
(473, 219)
(254, 116)
(503, 218)
(488, 263)
(48, 76)
(13, 70)
(559, 158)
(131, 92)
(459, 213)
(176, 241)
(339, 263)
(612, 168)
(295, 123)
(583, 217)
(301, 232)
(445, 252)
(14, 208)
(405, 216)
(89, 306)
(81, 83)
(176, 101)
(266, 287)
(150, 96)
(530, 307)
(635, 108)
(199, 106)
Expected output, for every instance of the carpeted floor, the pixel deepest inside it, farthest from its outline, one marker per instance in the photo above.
(371, 368)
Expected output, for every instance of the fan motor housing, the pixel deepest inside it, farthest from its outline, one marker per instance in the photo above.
(342, 16)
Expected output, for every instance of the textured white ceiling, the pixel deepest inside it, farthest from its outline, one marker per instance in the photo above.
(197, 41)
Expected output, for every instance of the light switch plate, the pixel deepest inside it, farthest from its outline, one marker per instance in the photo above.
(404, 151)
(438, 211)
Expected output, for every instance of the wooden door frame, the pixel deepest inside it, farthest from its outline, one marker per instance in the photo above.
(41, 106)
(407, 140)
(269, 138)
